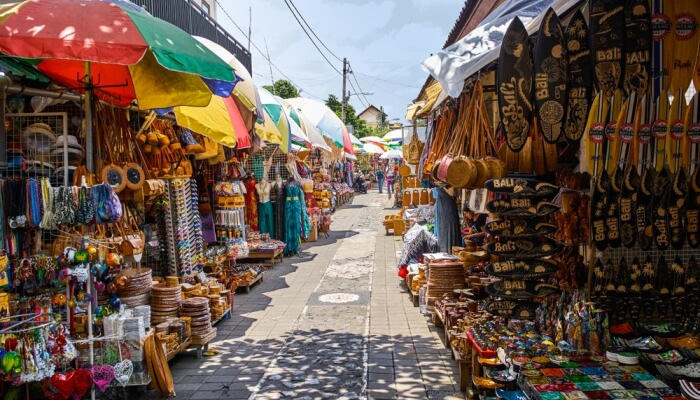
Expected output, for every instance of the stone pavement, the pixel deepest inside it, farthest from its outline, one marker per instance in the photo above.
(332, 323)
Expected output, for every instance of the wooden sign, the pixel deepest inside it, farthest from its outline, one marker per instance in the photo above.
(628, 207)
(659, 211)
(521, 207)
(645, 197)
(551, 62)
(519, 227)
(607, 25)
(675, 200)
(519, 187)
(511, 309)
(523, 269)
(579, 77)
(524, 247)
(520, 289)
(637, 47)
(514, 82)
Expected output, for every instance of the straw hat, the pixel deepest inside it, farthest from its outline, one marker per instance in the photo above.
(38, 138)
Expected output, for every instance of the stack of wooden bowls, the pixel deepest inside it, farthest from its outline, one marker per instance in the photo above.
(444, 277)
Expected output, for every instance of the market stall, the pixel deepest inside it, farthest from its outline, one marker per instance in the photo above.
(559, 257)
(124, 229)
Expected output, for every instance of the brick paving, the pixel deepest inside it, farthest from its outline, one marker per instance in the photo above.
(333, 323)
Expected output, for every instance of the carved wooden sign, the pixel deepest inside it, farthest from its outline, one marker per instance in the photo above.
(579, 77)
(551, 62)
(514, 82)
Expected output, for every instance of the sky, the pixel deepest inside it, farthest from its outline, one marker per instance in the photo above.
(384, 40)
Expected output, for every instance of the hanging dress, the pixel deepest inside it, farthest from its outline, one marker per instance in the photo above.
(278, 197)
(251, 204)
(448, 230)
(293, 219)
(265, 214)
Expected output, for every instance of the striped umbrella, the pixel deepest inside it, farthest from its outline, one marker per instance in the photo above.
(122, 53)
(274, 110)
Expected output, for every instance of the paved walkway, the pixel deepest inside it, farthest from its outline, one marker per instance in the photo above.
(333, 323)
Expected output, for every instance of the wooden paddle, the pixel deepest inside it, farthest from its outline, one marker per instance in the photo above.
(579, 77)
(692, 213)
(514, 81)
(551, 65)
(686, 36)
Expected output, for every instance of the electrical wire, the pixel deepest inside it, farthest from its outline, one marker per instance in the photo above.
(388, 81)
(245, 35)
(313, 32)
(286, 2)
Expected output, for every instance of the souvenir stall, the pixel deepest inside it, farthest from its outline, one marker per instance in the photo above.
(572, 271)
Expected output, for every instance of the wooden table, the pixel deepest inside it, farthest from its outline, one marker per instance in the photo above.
(268, 259)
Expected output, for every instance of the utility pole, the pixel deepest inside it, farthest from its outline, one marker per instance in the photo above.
(250, 25)
(345, 97)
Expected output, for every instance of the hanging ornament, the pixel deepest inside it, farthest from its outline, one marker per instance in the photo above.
(123, 371)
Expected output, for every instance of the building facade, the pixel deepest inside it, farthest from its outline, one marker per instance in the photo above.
(197, 17)
(371, 115)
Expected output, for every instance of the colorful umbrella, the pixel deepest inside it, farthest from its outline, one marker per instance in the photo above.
(296, 124)
(373, 139)
(221, 121)
(355, 141)
(395, 135)
(325, 120)
(392, 155)
(372, 148)
(270, 133)
(315, 137)
(122, 54)
(245, 90)
(275, 112)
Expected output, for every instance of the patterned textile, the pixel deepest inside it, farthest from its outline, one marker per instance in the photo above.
(293, 218)
(251, 204)
(266, 218)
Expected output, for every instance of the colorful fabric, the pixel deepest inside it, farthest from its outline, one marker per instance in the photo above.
(132, 55)
(266, 218)
(251, 204)
(293, 219)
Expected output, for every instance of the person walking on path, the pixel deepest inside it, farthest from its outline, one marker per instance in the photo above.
(380, 178)
(389, 174)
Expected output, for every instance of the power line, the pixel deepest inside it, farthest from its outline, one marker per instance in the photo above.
(313, 32)
(221, 7)
(352, 71)
(286, 2)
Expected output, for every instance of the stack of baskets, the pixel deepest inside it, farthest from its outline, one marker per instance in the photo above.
(197, 308)
(136, 287)
(444, 277)
(165, 302)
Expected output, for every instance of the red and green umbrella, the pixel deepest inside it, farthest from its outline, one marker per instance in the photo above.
(129, 54)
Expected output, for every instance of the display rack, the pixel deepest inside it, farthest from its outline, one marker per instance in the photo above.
(23, 159)
(183, 227)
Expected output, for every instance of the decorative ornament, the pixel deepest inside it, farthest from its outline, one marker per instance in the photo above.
(123, 371)
(102, 375)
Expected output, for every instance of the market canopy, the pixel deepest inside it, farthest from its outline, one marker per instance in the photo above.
(392, 155)
(270, 133)
(453, 65)
(355, 141)
(245, 90)
(372, 148)
(394, 135)
(130, 54)
(220, 121)
(274, 111)
(325, 120)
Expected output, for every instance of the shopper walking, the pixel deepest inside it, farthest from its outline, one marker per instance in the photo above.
(389, 173)
(380, 177)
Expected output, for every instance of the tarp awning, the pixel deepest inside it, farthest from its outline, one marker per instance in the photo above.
(453, 65)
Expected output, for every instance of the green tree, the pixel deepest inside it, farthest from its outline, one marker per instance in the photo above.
(283, 88)
(360, 126)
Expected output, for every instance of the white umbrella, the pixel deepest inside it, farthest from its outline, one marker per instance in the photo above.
(372, 148)
(395, 135)
(392, 155)
(374, 139)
